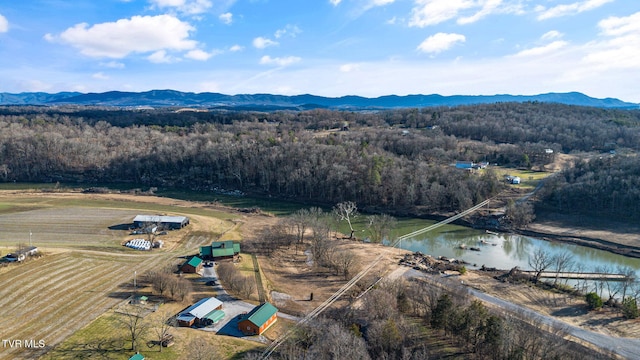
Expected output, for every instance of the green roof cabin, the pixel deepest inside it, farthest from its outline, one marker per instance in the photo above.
(220, 250)
(137, 356)
(258, 320)
(191, 266)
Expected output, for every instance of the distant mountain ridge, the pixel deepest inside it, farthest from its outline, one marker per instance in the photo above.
(172, 98)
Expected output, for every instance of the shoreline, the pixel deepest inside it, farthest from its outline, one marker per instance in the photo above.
(595, 243)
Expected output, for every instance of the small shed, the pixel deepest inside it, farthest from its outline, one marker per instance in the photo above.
(200, 313)
(191, 266)
(140, 299)
(258, 320)
(137, 356)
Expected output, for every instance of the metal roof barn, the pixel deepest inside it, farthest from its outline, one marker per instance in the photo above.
(169, 222)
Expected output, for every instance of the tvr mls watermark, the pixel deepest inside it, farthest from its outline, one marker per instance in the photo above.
(23, 344)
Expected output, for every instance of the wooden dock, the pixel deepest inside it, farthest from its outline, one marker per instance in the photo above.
(578, 275)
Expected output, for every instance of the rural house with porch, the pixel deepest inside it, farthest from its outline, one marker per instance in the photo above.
(258, 320)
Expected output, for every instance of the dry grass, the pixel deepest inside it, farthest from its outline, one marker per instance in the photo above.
(85, 270)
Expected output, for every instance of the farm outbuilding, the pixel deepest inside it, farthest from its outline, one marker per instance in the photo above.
(191, 266)
(164, 222)
(21, 254)
(258, 320)
(220, 250)
(464, 165)
(205, 312)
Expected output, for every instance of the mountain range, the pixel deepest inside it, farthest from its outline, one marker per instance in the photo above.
(172, 98)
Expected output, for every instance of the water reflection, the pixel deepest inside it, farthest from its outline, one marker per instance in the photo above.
(506, 251)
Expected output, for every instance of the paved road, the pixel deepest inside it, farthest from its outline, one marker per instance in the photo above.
(626, 347)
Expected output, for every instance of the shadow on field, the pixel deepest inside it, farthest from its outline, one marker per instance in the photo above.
(121, 226)
(571, 311)
(92, 349)
(122, 295)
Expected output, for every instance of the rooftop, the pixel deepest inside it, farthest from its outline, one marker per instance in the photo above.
(260, 314)
(202, 308)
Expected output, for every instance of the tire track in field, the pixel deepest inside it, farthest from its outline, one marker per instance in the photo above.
(41, 300)
(52, 311)
(20, 295)
(99, 305)
(19, 271)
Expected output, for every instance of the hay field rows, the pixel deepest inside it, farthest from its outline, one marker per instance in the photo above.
(85, 271)
(59, 294)
(75, 227)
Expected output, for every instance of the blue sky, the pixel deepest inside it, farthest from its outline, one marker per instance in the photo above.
(323, 47)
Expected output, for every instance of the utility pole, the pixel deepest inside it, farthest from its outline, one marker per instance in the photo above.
(30, 237)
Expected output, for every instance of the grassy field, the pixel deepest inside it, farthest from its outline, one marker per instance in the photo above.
(529, 178)
(78, 222)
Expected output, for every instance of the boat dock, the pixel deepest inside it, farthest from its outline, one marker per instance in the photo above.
(578, 275)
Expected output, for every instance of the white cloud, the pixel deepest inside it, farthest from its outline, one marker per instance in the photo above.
(440, 42)
(191, 7)
(236, 48)
(335, 2)
(349, 67)
(381, 2)
(279, 61)
(198, 54)
(542, 50)
(36, 85)
(113, 64)
(620, 45)
(100, 76)
(615, 26)
(569, 9)
(289, 30)
(550, 35)
(161, 57)
(226, 18)
(140, 34)
(262, 42)
(433, 12)
(488, 7)
(4, 24)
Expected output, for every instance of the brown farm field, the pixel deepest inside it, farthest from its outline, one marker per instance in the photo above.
(67, 297)
(85, 271)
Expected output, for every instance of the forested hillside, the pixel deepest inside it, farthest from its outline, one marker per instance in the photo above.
(397, 160)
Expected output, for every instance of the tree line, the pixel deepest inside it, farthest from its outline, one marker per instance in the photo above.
(606, 186)
(395, 161)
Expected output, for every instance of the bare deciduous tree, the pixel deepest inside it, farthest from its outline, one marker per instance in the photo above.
(345, 262)
(132, 319)
(380, 227)
(201, 349)
(163, 325)
(539, 261)
(346, 211)
(561, 262)
(520, 214)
